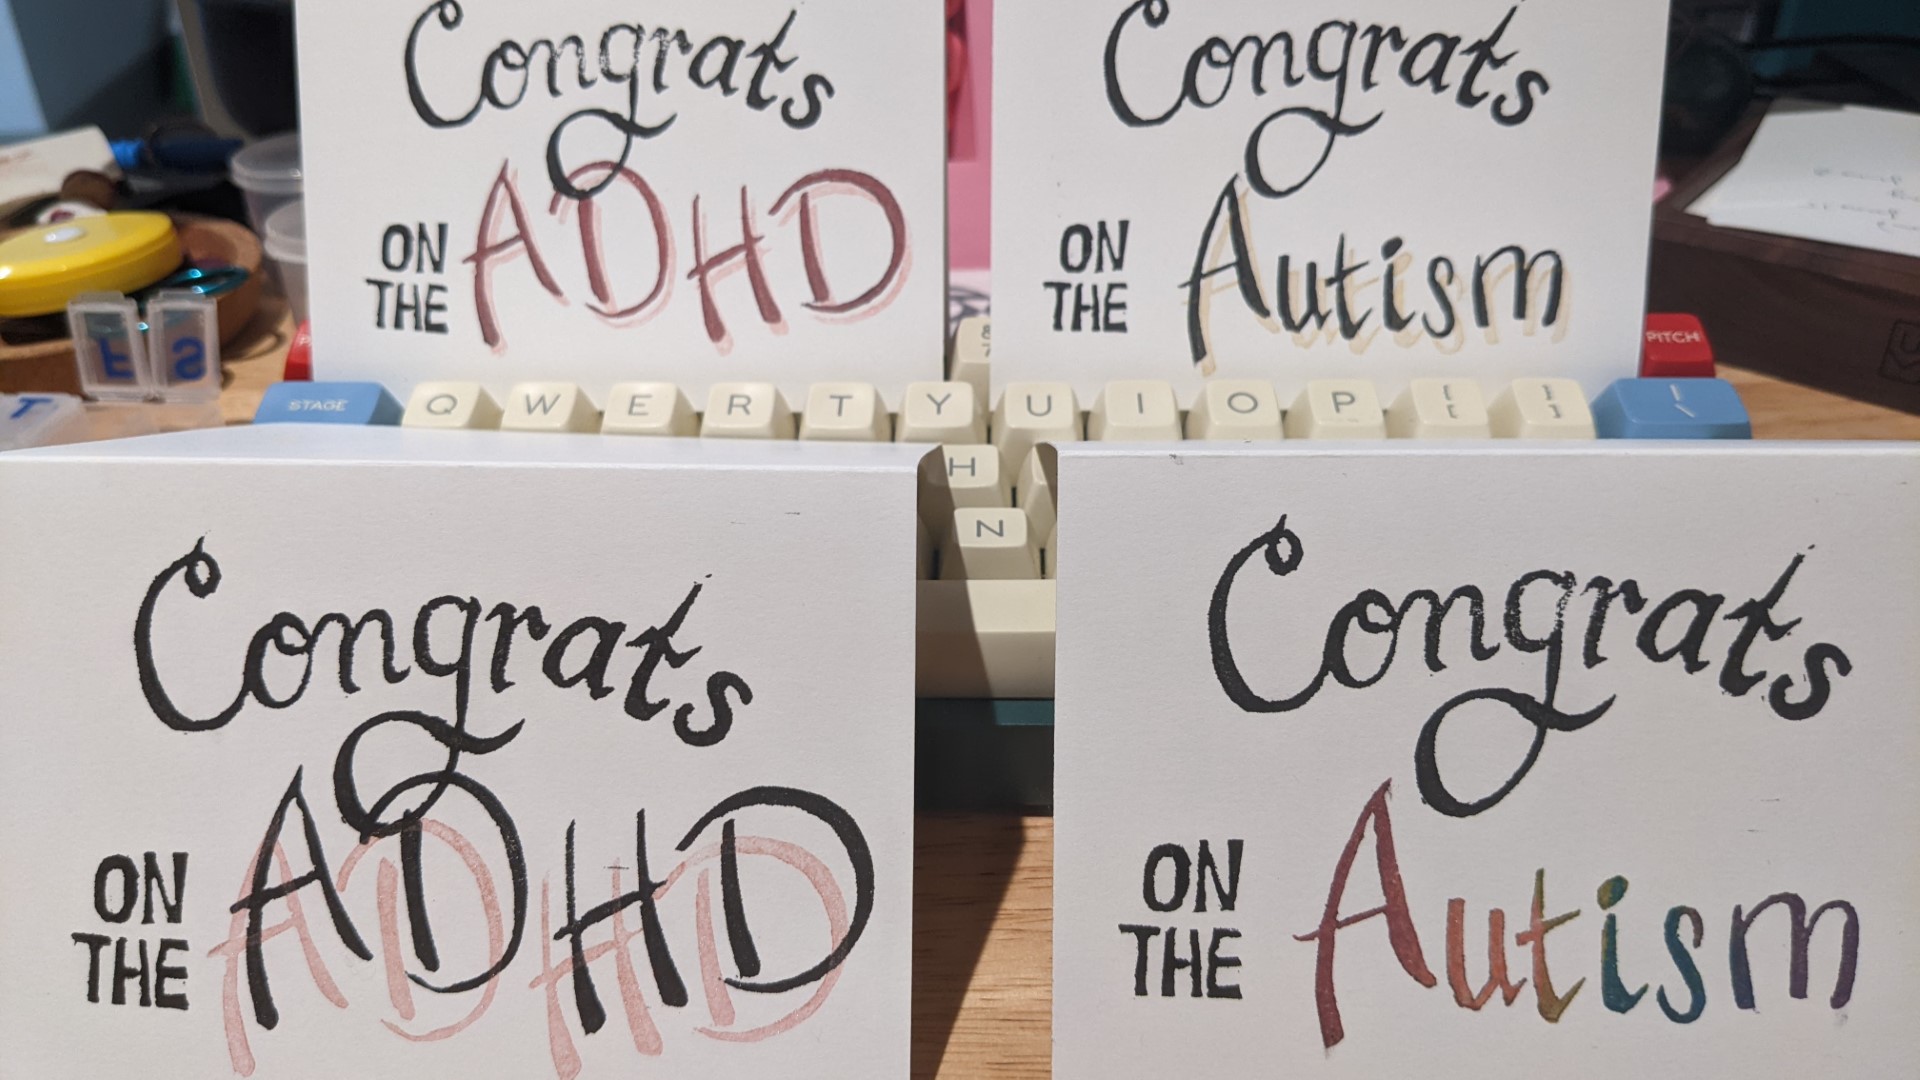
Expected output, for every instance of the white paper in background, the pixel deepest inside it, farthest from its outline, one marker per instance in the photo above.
(1402, 150)
(446, 145)
(1655, 796)
(687, 685)
(1847, 175)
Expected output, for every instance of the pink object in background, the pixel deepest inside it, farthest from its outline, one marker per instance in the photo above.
(969, 132)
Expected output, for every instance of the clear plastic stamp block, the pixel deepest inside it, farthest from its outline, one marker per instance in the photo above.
(109, 348)
(183, 344)
(40, 420)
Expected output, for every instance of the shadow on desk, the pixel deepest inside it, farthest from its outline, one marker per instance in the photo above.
(963, 865)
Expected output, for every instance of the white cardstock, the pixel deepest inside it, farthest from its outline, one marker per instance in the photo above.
(626, 791)
(1378, 189)
(1639, 802)
(593, 192)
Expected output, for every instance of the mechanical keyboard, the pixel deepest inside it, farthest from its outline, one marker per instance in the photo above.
(987, 549)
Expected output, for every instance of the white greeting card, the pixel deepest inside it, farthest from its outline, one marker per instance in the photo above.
(1378, 188)
(1579, 763)
(387, 753)
(590, 192)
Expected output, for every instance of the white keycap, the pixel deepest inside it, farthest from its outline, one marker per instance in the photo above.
(1439, 409)
(740, 410)
(1135, 411)
(923, 550)
(451, 405)
(989, 545)
(1236, 409)
(649, 408)
(1033, 488)
(961, 477)
(1542, 409)
(845, 412)
(942, 412)
(984, 639)
(1049, 555)
(548, 406)
(969, 356)
(1034, 412)
(1337, 409)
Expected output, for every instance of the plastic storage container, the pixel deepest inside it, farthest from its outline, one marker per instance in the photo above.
(268, 174)
(285, 241)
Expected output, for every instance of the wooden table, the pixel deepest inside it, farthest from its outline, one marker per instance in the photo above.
(983, 884)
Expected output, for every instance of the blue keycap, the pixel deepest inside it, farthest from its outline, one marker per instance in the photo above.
(327, 403)
(1671, 409)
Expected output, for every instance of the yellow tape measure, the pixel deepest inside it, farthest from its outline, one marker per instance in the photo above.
(44, 267)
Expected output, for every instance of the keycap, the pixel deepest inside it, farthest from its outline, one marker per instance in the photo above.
(327, 403)
(1439, 409)
(984, 639)
(548, 406)
(41, 420)
(1034, 412)
(742, 410)
(1236, 409)
(1541, 409)
(299, 365)
(942, 412)
(989, 545)
(1671, 409)
(1033, 488)
(962, 477)
(845, 412)
(969, 355)
(451, 405)
(1135, 411)
(1049, 559)
(648, 408)
(1676, 347)
(1336, 409)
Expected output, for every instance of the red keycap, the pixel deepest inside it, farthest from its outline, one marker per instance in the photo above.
(1676, 348)
(300, 356)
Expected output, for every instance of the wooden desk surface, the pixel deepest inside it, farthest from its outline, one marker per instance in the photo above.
(983, 884)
